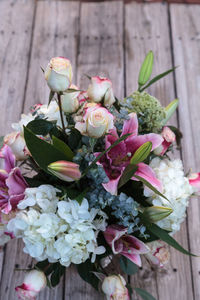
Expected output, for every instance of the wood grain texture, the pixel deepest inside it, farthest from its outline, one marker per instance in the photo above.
(100, 53)
(16, 20)
(186, 43)
(147, 28)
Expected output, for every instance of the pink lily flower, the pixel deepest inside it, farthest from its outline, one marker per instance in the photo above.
(12, 183)
(127, 245)
(118, 158)
(194, 180)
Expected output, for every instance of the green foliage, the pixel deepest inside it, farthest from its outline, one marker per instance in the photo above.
(127, 266)
(40, 126)
(144, 294)
(42, 152)
(86, 270)
(1, 141)
(146, 69)
(170, 109)
(127, 174)
(61, 146)
(141, 153)
(57, 273)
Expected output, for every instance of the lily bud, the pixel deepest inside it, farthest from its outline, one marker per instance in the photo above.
(157, 213)
(17, 144)
(58, 74)
(34, 282)
(65, 170)
(100, 89)
(69, 101)
(114, 287)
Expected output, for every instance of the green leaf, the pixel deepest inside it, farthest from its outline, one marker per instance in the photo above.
(127, 174)
(62, 147)
(141, 153)
(40, 126)
(146, 69)
(150, 186)
(1, 141)
(144, 294)
(164, 236)
(86, 270)
(57, 274)
(127, 266)
(156, 78)
(42, 152)
(169, 110)
(72, 91)
(122, 138)
(74, 138)
(81, 196)
(51, 95)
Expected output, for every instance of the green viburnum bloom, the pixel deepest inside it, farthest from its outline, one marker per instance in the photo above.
(149, 111)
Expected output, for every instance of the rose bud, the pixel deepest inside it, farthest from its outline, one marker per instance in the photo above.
(65, 170)
(34, 282)
(69, 101)
(58, 74)
(17, 144)
(194, 180)
(97, 121)
(114, 287)
(159, 254)
(100, 89)
(168, 138)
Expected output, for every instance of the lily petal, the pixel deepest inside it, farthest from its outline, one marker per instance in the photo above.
(131, 125)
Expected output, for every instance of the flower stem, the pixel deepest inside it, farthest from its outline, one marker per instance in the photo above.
(61, 115)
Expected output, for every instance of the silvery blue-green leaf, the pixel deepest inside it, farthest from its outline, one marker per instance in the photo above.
(146, 69)
(141, 153)
(169, 110)
(127, 266)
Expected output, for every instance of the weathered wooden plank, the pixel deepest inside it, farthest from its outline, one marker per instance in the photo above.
(146, 27)
(100, 53)
(186, 42)
(16, 20)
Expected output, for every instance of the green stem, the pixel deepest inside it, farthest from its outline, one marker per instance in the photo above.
(61, 115)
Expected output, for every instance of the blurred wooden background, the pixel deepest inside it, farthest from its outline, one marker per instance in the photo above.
(106, 38)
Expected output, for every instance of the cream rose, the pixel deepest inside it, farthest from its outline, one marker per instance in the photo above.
(96, 121)
(58, 74)
(114, 287)
(100, 89)
(17, 144)
(69, 101)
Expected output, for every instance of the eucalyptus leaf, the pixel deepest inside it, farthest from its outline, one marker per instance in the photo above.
(127, 266)
(169, 110)
(156, 78)
(146, 69)
(40, 126)
(61, 146)
(141, 153)
(144, 294)
(127, 174)
(42, 152)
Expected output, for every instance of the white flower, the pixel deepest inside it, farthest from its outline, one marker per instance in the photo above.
(17, 144)
(25, 119)
(176, 188)
(70, 101)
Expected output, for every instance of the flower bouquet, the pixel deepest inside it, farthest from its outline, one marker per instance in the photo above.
(89, 180)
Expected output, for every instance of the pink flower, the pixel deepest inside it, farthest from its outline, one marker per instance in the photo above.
(194, 180)
(17, 144)
(34, 282)
(12, 183)
(65, 170)
(169, 137)
(127, 245)
(114, 287)
(117, 159)
(159, 254)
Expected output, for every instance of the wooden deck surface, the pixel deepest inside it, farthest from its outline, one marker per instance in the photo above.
(106, 38)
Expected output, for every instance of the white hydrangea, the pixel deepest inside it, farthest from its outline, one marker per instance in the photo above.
(64, 231)
(50, 112)
(176, 188)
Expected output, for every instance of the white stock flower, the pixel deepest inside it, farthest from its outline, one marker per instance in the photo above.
(176, 188)
(64, 231)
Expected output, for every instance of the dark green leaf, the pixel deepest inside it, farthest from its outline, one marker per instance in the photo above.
(42, 152)
(81, 196)
(42, 69)
(164, 236)
(40, 126)
(144, 294)
(57, 274)
(156, 78)
(122, 138)
(86, 270)
(127, 266)
(1, 141)
(146, 69)
(177, 133)
(74, 138)
(141, 153)
(51, 95)
(62, 147)
(150, 186)
(42, 264)
(127, 174)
